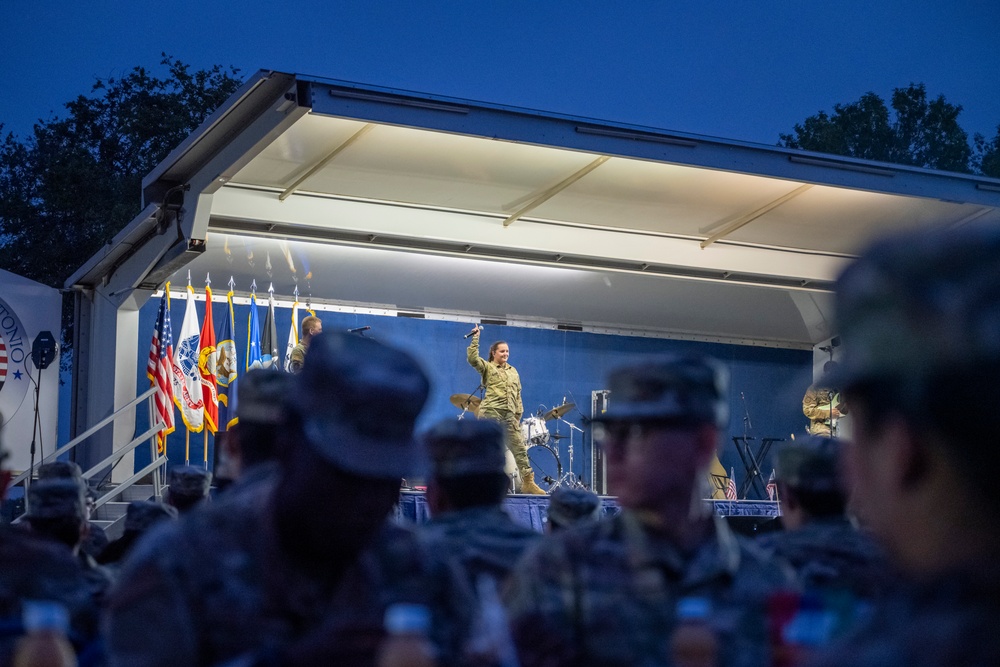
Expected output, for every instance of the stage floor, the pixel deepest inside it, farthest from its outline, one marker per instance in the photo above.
(531, 511)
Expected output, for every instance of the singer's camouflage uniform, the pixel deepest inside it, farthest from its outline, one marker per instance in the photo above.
(605, 593)
(816, 406)
(502, 401)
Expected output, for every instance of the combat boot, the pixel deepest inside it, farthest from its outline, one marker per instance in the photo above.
(528, 483)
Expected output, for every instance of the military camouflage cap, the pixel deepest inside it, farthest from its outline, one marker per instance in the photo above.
(359, 400)
(141, 514)
(913, 305)
(688, 389)
(57, 498)
(262, 397)
(809, 463)
(458, 447)
(569, 506)
(189, 481)
(60, 470)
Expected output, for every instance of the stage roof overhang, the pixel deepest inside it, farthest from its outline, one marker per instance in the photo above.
(422, 204)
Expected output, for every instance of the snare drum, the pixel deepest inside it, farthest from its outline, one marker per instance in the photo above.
(534, 431)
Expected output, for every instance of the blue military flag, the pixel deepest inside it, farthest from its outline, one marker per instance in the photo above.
(227, 368)
(254, 360)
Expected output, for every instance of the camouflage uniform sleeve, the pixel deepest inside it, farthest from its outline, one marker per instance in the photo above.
(541, 596)
(147, 622)
(816, 405)
(298, 358)
(475, 360)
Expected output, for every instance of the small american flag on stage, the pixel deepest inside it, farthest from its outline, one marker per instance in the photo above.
(161, 351)
(772, 487)
(731, 485)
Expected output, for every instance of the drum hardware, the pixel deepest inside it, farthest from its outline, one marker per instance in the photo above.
(467, 403)
(569, 479)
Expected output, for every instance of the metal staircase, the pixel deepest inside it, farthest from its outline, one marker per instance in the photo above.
(114, 498)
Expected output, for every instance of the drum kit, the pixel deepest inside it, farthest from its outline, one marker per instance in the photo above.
(536, 435)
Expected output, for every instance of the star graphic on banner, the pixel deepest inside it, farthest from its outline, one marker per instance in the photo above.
(17, 375)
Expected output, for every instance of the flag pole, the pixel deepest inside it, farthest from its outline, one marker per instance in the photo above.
(206, 449)
(187, 447)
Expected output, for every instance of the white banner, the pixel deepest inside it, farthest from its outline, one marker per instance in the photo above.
(26, 309)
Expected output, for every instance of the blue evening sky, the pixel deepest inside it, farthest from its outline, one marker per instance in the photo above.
(743, 70)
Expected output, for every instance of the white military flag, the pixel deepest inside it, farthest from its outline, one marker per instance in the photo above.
(185, 373)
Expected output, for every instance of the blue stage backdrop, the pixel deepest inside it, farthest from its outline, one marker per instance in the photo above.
(766, 383)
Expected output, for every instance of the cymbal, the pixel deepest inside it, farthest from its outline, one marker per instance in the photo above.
(466, 401)
(559, 411)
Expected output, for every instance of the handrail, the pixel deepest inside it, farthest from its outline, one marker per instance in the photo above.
(119, 453)
(158, 460)
(83, 436)
(130, 481)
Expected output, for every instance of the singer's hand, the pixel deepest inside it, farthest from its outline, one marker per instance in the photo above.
(475, 331)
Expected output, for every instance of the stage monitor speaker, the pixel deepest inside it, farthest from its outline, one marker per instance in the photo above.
(43, 350)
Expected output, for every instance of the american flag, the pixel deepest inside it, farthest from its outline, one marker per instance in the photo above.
(731, 485)
(161, 351)
(772, 487)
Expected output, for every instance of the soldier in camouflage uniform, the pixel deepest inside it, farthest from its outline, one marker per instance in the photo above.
(33, 567)
(568, 507)
(96, 539)
(301, 570)
(822, 407)
(502, 403)
(187, 487)
(919, 317)
(465, 494)
(826, 550)
(605, 593)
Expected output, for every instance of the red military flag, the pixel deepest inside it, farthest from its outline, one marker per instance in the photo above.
(161, 352)
(207, 367)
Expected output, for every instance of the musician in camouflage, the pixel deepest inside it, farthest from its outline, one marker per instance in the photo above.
(502, 403)
(919, 319)
(605, 593)
(34, 567)
(299, 569)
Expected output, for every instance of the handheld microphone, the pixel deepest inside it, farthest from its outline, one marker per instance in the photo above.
(472, 332)
(358, 330)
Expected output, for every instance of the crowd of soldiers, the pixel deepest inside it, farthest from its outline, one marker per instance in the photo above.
(885, 557)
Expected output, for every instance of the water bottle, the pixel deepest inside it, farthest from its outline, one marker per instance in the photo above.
(44, 643)
(407, 642)
(694, 643)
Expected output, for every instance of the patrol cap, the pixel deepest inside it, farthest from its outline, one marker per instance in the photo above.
(458, 447)
(569, 506)
(684, 388)
(262, 397)
(141, 514)
(809, 463)
(60, 470)
(57, 498)
(359, 400)
(189, 481)
(914, 305)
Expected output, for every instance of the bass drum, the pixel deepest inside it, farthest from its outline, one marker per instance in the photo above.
(534, 431)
